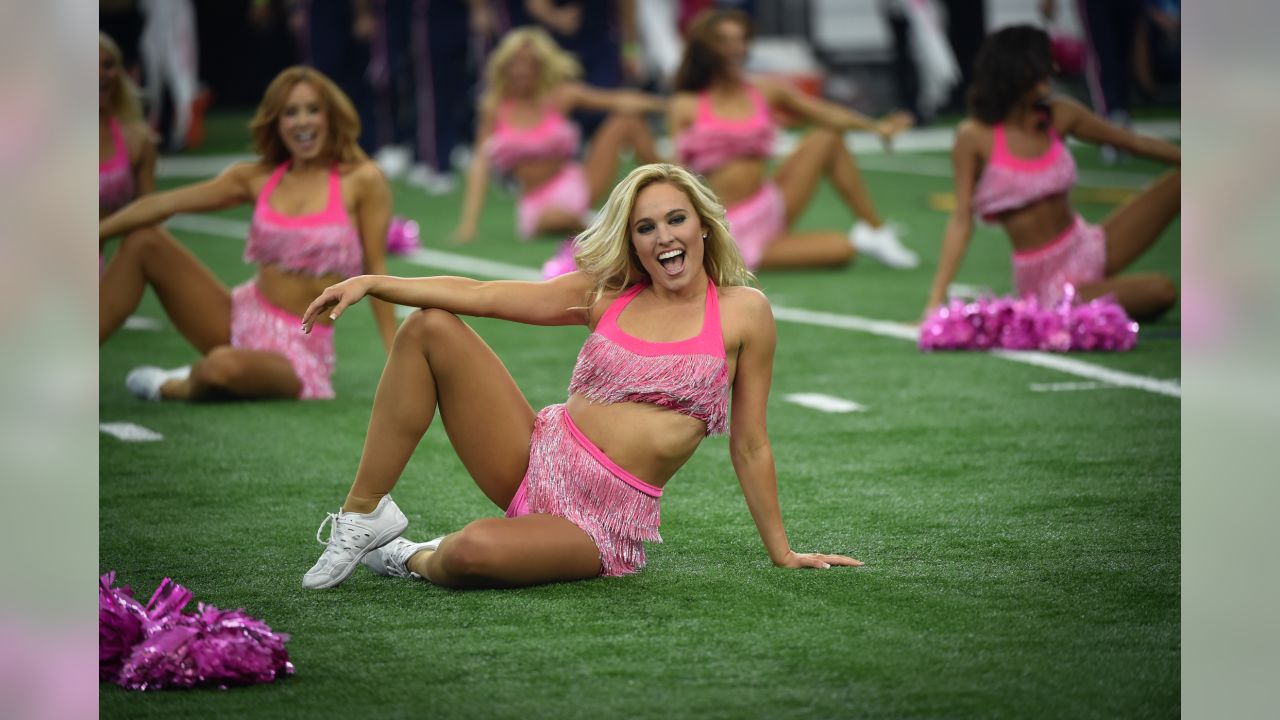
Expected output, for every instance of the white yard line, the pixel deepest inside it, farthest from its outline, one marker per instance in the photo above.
(140, 322)
(1069, 386)
(129, 432)
(467, 265)
(824, 403)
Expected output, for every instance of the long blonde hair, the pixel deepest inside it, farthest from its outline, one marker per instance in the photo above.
(123, 103)
(604, 249)
(344, 124)
(557, 65)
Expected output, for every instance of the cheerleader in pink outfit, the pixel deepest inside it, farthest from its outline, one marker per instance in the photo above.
(676, 339)
(1013, 167)
(126, 149)
(724, 129)
(321, 211)
(524, 133)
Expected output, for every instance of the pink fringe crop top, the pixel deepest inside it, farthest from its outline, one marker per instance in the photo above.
(712, 141)
(115, 176)
(689, 376)
(553, 137)
(323, 243)
(1009, 182)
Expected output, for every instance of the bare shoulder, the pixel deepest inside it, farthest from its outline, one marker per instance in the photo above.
(745, 304)
(246, 172)
(972, 133)
(365, 173)
(1066, 112)
(683, 103)
(138, 135)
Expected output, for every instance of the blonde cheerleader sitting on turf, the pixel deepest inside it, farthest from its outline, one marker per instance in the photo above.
(675, 334)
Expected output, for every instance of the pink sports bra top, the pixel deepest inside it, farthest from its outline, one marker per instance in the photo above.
(323, 243)
(1009, 182)
(711, 141)
(553, 137)
(115, 176)
(689, 376)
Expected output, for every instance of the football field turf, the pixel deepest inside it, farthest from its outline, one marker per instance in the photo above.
(1019, 524)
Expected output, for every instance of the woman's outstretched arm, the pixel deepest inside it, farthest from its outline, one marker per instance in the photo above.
(749, 445)
(1072, 118)
(228, 189)
(562, 301)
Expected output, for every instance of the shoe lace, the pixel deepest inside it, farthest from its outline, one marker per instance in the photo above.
(335, 529)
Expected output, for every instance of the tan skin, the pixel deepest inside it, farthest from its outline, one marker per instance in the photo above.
(1130, 230)
(625, 128)
(197, 302)
(438, 361)
(822, 153)
(138, 140)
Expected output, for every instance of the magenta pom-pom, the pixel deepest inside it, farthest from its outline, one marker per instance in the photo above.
(562, 262)
(403, 236)
(158, 646)
(1021, 324)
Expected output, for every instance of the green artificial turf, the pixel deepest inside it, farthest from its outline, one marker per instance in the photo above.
(1021, 547)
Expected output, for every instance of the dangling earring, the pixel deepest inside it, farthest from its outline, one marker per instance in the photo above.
(704, 236)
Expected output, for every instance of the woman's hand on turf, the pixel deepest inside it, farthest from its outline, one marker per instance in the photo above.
(335, 299)
(815, 560)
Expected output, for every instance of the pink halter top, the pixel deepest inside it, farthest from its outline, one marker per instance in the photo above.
(689, 376)
(323, 243)
(1009, 182)
(553, 137)
(712, 141)
(115, 176)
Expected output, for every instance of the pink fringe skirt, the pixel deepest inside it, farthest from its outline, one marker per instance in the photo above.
(567, 191)
(570, 477)
(1077, 256)
(256, 324)
(757, 221)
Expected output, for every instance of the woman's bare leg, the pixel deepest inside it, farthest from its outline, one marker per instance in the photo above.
(197, 302)
(1145, 296)
(438, 361)
(807, 250)
(229, 372)
(823, 152)
(508, 552)
(616, 134)
(1135, 226)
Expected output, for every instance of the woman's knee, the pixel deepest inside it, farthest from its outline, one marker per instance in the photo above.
(427, 323)
(142, 241)
(219, 368)
(471, 552)
(1163, 291)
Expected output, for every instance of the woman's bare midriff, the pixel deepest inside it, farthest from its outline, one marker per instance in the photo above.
(532, 174)
(737, 180)
(647, 441)
(1039, 223)
(291, 291)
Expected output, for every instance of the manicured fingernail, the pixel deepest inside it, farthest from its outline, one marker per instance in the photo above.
(333, 316)
(825, 565)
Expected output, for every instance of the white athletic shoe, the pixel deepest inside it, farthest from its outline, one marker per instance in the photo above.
(882, 244)
(145, 381)
(433, 182)
(392, 559)
(393, 160)
(351, 537)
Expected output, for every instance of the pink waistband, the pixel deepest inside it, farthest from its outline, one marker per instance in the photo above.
(265, 304)
(1054, 244)
(604, 460)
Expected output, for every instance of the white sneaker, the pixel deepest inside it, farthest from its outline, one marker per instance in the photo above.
(351, 537)
(145, 381)
(393, 160)
(392, 559)
(882, 244)
(433, 182)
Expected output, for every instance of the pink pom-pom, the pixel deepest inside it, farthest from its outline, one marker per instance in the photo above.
(120, 625)
(160, 647)
(1021, 324)
(562, 262)
(403, 236)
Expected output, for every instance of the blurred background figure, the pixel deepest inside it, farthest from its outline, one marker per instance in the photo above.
(427, 56)
(171, 79)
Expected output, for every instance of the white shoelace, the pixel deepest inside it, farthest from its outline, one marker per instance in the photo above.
(335, 528)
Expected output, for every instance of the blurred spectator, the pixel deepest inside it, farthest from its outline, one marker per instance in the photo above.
(334, 38)
(425, 67)
(171, 81)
